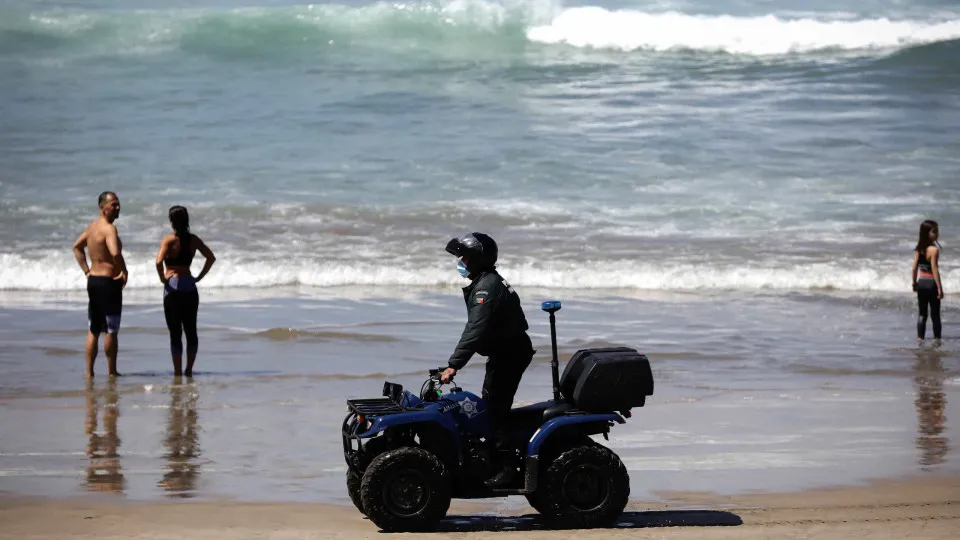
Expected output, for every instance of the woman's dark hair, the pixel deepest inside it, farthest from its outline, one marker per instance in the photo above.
(924, 241)
(180, 221)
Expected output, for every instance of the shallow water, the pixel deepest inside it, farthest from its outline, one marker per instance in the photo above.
(764, 393)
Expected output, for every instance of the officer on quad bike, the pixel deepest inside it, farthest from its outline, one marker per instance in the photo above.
(496, 328)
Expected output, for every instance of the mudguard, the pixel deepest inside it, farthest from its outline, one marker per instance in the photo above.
(552, 425)
(411, 417)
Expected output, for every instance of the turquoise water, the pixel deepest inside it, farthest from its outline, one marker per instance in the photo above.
(642, 145)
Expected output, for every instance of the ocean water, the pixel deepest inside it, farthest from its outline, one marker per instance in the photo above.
(640, 145)
(733, 187)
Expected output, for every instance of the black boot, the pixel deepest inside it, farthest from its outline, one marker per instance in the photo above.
(507, 475)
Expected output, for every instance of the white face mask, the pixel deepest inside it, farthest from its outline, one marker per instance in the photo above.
(462, 269)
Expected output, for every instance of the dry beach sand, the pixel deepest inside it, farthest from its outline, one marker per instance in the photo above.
(919, 507)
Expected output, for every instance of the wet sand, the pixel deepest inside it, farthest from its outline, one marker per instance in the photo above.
(927, 508)
(761, 394)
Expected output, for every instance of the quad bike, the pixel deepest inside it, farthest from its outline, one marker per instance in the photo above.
(408, 455)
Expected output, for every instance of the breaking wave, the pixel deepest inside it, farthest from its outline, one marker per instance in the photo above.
(60, 273)
(463, 25)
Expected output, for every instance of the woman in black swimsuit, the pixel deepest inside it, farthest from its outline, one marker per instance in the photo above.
(180, 297)
(926, 278)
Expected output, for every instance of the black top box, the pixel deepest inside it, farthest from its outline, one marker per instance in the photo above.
(607, 379)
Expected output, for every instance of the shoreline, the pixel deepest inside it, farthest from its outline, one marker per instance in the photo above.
(915, 506)
(14, 298)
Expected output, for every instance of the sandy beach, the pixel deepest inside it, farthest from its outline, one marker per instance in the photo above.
(923, 507)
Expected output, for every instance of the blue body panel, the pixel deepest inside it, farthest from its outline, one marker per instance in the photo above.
(457, 412)
(552, 425)
(412, 417)
(466, 413)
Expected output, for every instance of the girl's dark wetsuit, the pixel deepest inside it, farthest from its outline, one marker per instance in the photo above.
(927, 297)
(181, 301)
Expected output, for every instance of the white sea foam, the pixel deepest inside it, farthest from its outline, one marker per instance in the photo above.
(60, 273)
(629, 30)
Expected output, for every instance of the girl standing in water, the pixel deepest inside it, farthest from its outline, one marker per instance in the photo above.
(926, 278)
(180, 297)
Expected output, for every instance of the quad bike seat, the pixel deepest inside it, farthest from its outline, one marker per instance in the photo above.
(538, 413)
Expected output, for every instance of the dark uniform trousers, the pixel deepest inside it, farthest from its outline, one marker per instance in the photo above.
(500, 384)
(496, 328)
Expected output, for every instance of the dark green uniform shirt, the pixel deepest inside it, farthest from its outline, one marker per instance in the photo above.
(495, 320)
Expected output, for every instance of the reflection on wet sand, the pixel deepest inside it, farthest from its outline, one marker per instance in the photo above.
(104, 472)
(181, 442)
(931, 402)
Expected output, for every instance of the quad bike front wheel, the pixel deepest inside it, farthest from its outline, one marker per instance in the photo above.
(353, 489)
(584, 487)
(407, 489)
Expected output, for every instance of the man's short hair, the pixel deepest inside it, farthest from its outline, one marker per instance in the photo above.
(103, 197)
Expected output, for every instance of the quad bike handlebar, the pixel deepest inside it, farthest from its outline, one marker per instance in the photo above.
(430, 391)
(436, 372)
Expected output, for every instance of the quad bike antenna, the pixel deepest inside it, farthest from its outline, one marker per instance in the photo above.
(551, 307)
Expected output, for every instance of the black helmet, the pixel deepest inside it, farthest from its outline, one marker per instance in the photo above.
(480, 250)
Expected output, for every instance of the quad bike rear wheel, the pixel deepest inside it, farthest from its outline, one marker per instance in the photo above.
(585, 487)
(548, 454)
(534, 501)
(406, 489)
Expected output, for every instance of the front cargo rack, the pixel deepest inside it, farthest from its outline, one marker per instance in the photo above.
(374, 406)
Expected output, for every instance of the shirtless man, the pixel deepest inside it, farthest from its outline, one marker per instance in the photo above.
(106, 279)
